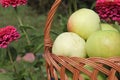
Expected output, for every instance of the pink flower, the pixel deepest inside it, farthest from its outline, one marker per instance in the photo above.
(13, 3)
(18, 58)
(108, 10)
(7, 35)
(2, 70)
(29, 57)
(5, 3)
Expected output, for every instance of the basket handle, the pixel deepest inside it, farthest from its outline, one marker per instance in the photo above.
(47, 39)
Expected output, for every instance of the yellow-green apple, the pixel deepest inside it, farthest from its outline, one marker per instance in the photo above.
(69, 44)
(104, 43)
(106, 26)
(100, 76)
(84, 22)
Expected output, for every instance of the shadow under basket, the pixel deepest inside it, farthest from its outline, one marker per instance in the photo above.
(74, 68)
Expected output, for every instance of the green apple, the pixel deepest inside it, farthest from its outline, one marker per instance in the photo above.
(106, 26)
(69, 44)
(84, 22)
(104, 43)
(100, 76)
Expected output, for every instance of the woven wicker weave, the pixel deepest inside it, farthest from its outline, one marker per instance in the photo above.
(57, 65)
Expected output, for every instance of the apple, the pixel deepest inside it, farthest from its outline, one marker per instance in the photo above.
(104, 44)
(100, 76)
(69, 44)
(106, 26)
(84, 22)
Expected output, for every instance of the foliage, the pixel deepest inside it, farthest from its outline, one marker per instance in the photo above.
(41, 6)
(31, 41)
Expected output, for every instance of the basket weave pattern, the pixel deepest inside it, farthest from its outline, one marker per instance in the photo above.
(59, 64)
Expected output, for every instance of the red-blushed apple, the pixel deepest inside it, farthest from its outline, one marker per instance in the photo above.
(104, 44)
(84, 22)
(69, 44)
(106, 26)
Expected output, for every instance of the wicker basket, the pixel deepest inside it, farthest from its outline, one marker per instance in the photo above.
(57, 65)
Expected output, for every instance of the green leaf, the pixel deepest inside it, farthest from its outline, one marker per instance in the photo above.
(117, 26)
(25, 27)
(13, 52)
(2, 55)
(93, 5)
(38, 48)
(55, 33)
(34, 36)
(29, 48)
